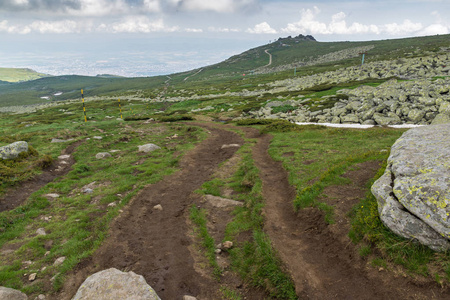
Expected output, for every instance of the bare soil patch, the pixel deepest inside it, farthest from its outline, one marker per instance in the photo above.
(322, 261)
(15, 196)
(156, 243)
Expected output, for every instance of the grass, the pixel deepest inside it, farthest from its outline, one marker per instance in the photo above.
(256, 261)
(79, 222)
(198, 217)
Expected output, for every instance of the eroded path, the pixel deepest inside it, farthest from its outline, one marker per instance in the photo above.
(323, 264)
(155, 243)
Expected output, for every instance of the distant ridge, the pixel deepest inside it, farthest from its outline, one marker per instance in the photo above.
(19, 74)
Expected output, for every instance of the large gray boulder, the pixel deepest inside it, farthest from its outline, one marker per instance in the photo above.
(11, 151)
(414, 193)
(11, 294)
(114, 284)
(148, 148)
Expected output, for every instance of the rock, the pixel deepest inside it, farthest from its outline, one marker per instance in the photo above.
(230, 146)
(102, 155)
(148, 148)
(112, 204)
(12, 151)
(88, 191)
(52, 195)
(41, 231)
(441, 119)
(227, 245)
(158, 207)
(32, 277)
(114, 284)
(391, 119)
(416, 115)
(414, 193)
(60, 140)
(221, 202)
(62, 157)
(59, 261)
(41, 297)
(11, 294)
(97, 137)
(186, 297)
(349, 119)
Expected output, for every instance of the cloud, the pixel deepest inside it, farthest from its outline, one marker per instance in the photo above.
(194, 30)
(220, 6)
(338, 25)
(5, 27)
(66, 26)
(222, 29)
(401, 29)
(261, 28)
(435, 29)
(140, 24)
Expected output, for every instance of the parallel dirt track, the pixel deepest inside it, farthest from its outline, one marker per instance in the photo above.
(320, 260)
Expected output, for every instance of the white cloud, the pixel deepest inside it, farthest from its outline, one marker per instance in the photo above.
(338, 25)
(261, 28)
(222, 29)
(67, 26)
(99, 8)
(435, 29)
(401, 29)
(142, 25)
(221, 6)
(194, 30)
(5, 27)
(151, 5)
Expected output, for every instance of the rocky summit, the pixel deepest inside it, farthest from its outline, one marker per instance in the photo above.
(414, 193)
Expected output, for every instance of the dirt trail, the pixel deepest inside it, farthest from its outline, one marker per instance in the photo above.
(320, 263)
(155, 243)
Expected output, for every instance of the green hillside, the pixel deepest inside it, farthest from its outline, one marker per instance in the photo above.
(301, 54)
(18, 75)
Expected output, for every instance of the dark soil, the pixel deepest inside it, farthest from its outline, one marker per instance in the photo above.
(15, 196)
(321, 259)
(155, 243)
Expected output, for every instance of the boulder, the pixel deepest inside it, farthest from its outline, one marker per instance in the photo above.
(414, 193)
(114, 284)
(390, 119)
(11, 294)
(148, 148)
(11, 151)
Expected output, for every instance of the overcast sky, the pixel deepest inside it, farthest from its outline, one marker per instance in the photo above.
(149, 37)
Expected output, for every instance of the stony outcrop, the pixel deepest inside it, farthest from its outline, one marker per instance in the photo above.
(114, 284)
(12, 151)
(414, 193)
(420, 102)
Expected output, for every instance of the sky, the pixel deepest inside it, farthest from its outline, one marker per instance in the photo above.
(157, 37)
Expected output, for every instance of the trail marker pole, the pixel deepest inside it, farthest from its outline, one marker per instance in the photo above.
(84, 108)
(295, 71)
(120, 109)
(363, 55)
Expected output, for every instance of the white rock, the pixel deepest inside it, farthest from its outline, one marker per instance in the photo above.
(59, 261)
(62, 157)
(114, 284)
(102, 155)
(158, 207)
(230, 146)
(41, 231)
(32, 277)
(148, 148)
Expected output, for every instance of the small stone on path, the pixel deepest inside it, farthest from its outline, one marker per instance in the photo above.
(230, 146)
(157, 207)
(186, 297)
(52, 195)
(227, 245)
(62, 157)
(32, 277)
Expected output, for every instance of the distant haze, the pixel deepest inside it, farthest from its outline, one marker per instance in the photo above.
(152, 37)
